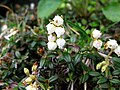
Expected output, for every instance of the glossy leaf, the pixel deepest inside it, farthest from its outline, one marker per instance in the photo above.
(47, 7)
(115, 81)
(112, 12)
(102, 80)
(94, 73)
(53, 78)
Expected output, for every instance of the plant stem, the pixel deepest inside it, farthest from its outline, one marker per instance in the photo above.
(107, 60)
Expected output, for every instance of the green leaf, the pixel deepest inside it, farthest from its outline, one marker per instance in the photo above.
(47, 7)
(15, 88)
(41, 79)
(116, 72)
(17, 53)
(112, 88)
(115, 81)
(116, 62)
(77, 59)
(51, 65)
(33, 44)
(73, 39)
(94, 73)
(67, 57)
(71, 67)
(101, 80)
(105, 85)
(84, 78)
(42, 62)
(53, 78)
(112, 12)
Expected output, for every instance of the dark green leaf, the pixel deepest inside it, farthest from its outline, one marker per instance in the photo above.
(41, 79)
(102, 80)
(51, 65)
(77, 59)
(116, 72)
(67, 57)
(53, 78)
(112, 88)
(94, 73)
(115, 81)
(71, 67)
(17, 53)
(42, 62)
(33, 44)
(84, 78)
(47, 7)
(104, 86)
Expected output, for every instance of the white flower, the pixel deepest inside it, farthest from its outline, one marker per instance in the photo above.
(60, 42)
(52, 45)
(97, 44)
(117, 51)
(11, 34)
(4, 27)
(96, 34)
(112, 44)
(51, 38)
(59, 31)
(32, 5)
(50, 28)
(31, 87)
(58, 20)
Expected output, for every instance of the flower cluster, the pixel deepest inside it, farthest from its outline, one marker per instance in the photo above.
(30, 81)
(56, 30)
(97, 43)
(112, 44)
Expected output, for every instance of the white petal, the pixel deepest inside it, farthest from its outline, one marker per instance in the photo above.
(32, 5)
(97, 44)
(96, 34)
(117, 51)
(52, 45)
(112, 44)
(59, 31)
(50, 28)
(60, 42)
(51, 38)
(58, 20)
(4, 27)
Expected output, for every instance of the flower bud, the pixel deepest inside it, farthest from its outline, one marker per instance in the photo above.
(26, 71)
(99, 65)
(104, 68)
(96, 34)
